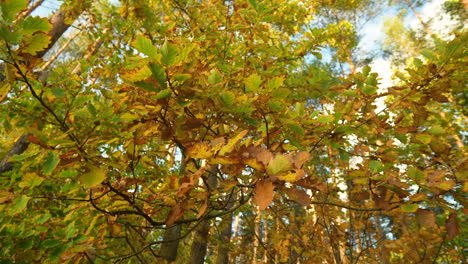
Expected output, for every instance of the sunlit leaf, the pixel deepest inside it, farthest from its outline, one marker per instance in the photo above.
(31, 25)
(200, 151)
(168, 52)
(31, 180)
(19, 204)
(145, 46)
(9, 8)
(253, 82)
(263, 194)
(279, 163)
(232, 142)
(409, 208)
(94, 177)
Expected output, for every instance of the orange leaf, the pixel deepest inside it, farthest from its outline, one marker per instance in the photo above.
(263, 194)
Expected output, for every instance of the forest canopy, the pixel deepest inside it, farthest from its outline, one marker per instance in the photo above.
(231, 131)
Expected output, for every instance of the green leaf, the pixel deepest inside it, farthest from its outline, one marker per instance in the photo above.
(428, 54)
(375, 166)
(19, 204)
(424, 138)
(159, 74)
(416, 174)
(280, 93)
(325, 119)
(55, 254)
(409, 208)
(9, 8)
(369, 89)
(228, 98)
(145, 46)
(275, 83)
(297, 129)
(162, 94)
(182, 77)
(22, 156)
(94, 177)
(366, 70)
(31, 180)
(417, 62)
(215, 77)
(169, 52)
(70, 230)
(25, 244)
(253, 82)
(31, 25)
(50, 243)
(436, 130)
(36, 43)
(50, 163)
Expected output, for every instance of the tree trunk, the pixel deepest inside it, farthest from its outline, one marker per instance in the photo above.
(225, 239)
(168, 250)
(200, 236)
(200, 242)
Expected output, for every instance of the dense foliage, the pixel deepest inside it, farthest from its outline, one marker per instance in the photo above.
(194, 131)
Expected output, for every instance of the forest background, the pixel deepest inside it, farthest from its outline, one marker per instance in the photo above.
(232, 131)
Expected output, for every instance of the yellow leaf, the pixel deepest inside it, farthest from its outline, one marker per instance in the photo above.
(293, 175)
(232, 142)
(279, 163)
(94, 177)
(200, 151)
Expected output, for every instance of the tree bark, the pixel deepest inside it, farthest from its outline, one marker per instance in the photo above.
(168, 250)
(224, 239)
(200, 236)
(28, 11)
(200, 243)
(19, 147)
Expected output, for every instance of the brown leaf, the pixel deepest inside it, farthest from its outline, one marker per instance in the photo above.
(426, 218)
(190, 181)
(452, 226)
(263, 194)
(297, 195)
(203, 208)
(263, 155)
(299, 158)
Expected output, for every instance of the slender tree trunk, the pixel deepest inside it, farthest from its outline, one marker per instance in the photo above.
(225, 240)
(28, 11)
(256, 235)
(384, 254)
(200, 236)
(418, 16)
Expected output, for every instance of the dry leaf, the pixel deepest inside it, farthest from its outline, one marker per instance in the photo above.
(263, 194)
